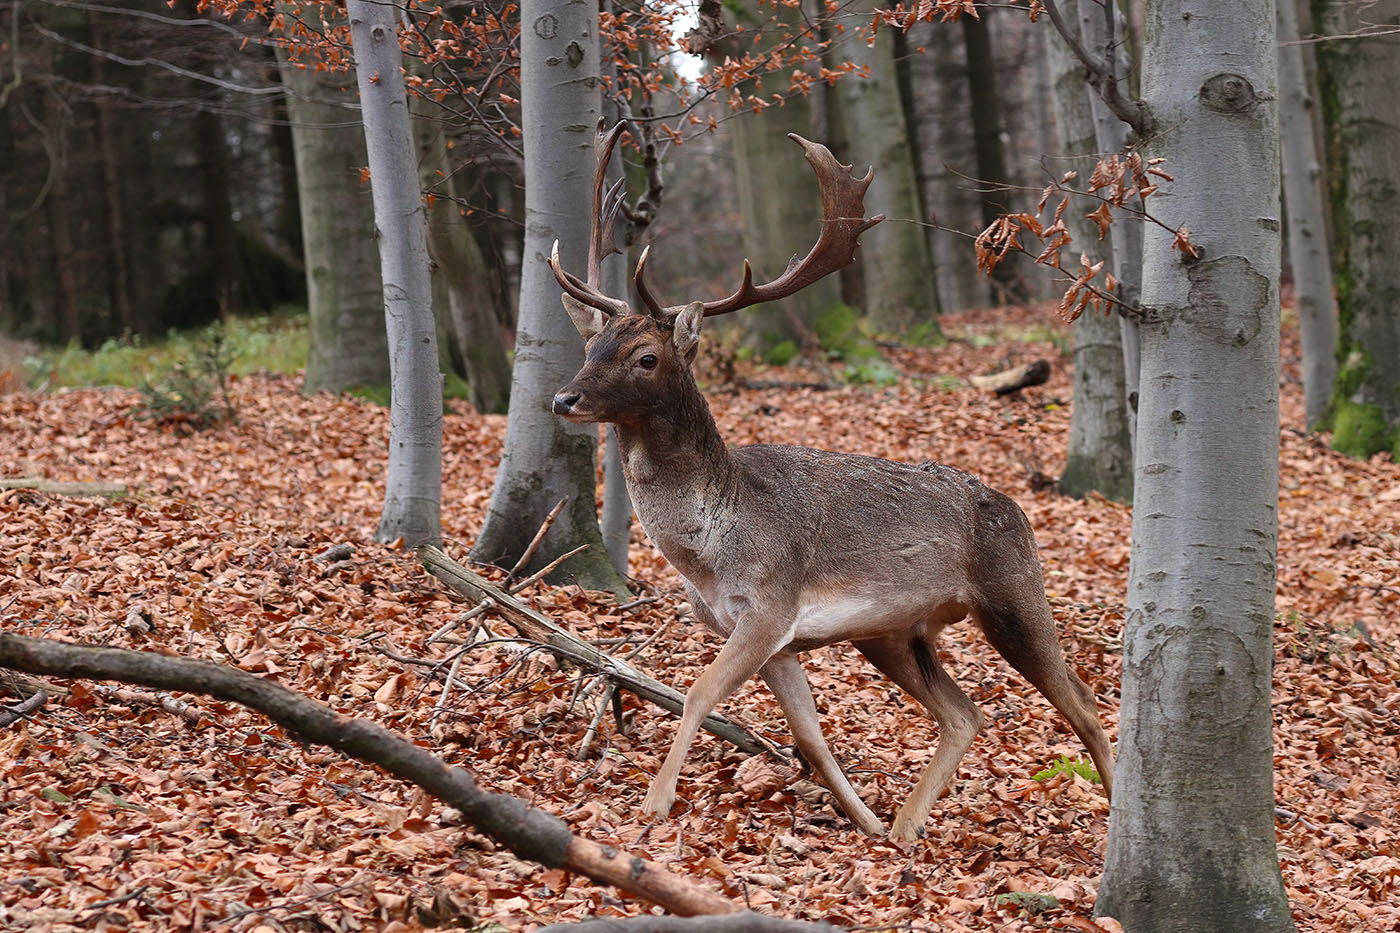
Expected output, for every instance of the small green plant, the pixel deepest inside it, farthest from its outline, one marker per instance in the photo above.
(1028, 901)
(1064, 765)
(876, 371)
(842, 337)
(781, 353)
(192, 396)
(926, 334)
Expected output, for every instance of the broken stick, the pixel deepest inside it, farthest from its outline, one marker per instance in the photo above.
(574, 650)
(1015, 379)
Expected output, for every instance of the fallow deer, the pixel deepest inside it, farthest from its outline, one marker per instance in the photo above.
(785, 549)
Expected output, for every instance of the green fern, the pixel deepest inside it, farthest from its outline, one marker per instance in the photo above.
(1064, 765)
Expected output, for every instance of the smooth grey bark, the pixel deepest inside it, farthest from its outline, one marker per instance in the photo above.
(344, 296)
(615, 520)
(945, 161)
(1308, 251)
(897, 278)
(1359, 78)
(1125, 236)
(989, 140)
(1100, 441)
(460, 275)
(779, 200)
(413, 484)
(1191, 842)
(546, 458)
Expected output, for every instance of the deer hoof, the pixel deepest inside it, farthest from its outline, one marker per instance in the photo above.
(906, 830)
(658, 804)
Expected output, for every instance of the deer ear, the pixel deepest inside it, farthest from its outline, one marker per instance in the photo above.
(588, 320)
(686, 334)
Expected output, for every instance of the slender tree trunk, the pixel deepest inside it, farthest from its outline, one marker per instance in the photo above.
(460, 267)
(1308, 251)
(344, 297)
(58, 205)
(946, 160)
(546, 458)
(780, 202)
(218, 212)
(413, 484)
(615, 520)
(1191, 837)
(1359, 79)
(984, 105)
(113, 210)
(1125, 237)
(1100, 441)
(897, 278)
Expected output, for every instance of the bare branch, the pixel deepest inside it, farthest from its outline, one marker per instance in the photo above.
(535, 626)
(1100, 73)
(530, 833)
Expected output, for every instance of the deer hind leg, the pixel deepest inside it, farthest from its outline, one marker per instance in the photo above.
(1023, 632)
(788, 681)
(911, 661)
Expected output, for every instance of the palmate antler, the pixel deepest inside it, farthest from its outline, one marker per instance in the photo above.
(843, 221)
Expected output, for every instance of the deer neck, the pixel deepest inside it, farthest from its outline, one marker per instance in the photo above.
(676, 443)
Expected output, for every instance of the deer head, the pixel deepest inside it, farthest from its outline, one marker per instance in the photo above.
(631, 356)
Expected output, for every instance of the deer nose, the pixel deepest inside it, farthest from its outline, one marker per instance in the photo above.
(565, 401)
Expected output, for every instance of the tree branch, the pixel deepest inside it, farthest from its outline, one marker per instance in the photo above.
(532, 834)
(746, 922)
(533, 625)
(1100, 75)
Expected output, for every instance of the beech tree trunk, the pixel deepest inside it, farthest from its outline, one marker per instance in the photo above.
(945, 160)
(1309, 254)
(1359, 78)
(460, 273)
(984, 111)
(1100, 440)
(1125, 236)
(1191, 837)
(413, 485)
(778, 196)
(898, 282)
(546, 458)
(615, 520)
(344, 296)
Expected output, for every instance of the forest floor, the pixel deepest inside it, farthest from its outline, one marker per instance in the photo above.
(116, 814)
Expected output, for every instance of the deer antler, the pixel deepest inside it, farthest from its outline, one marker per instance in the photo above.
(843, 221)
(606, 206)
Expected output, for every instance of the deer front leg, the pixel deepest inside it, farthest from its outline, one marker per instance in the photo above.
(788, 681)
(749, 647)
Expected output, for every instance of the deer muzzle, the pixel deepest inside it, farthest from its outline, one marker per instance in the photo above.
(565, 400)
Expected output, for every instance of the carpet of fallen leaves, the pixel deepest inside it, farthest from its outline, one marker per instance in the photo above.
(116, 813)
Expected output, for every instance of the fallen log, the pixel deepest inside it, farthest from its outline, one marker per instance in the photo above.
(54, 487)
(529, 833)
(1014, 379)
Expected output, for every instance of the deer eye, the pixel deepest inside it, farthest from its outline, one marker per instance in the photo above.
(647, 361)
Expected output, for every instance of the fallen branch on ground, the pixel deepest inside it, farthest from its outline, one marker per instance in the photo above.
(1015, 379)
(532, 834)
(53, 487)
(575, 651)
(14, 714)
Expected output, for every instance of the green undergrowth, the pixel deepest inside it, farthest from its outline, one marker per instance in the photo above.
(1063, 765)
(275, 342)
(844, 338)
